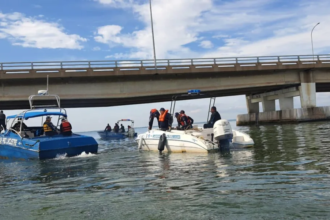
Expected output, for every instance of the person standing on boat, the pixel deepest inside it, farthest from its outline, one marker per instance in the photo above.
(108, 128)
(215, 116)
(116, 128)
(165, 120)
(122, 128)
(2, 121)
(154, 113)
(49, 128)
(65, 127)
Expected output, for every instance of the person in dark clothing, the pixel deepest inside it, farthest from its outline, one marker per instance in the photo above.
(154, 113)
(215, 116)
(165, 120)
(184, 122)
(49, 127)
(65, 127)
(116, 128)
(108, 128)
(2, 121)
(122, 128)
(17, 125)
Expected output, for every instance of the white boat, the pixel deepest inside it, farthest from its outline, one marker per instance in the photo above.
(194, 140)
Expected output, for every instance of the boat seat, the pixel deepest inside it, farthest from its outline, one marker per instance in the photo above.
(29, 133)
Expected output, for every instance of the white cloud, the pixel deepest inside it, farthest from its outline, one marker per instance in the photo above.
(206, 44)
(116, 3)
(243, 27)
(96, 48)
(37, 33)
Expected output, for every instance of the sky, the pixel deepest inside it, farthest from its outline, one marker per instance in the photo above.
(58, 30)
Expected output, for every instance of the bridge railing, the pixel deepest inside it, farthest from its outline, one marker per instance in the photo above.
(111, 65)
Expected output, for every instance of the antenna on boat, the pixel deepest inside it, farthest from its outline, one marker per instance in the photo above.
(47, 83)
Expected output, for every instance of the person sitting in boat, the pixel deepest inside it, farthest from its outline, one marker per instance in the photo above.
(65, 127)
(122, 128)
(17, 125)
(2, 121)
(108, 128)
(49, 128)
(215, 116)
(128, 127)
(116, 128)
(165, 120)
(154, 113)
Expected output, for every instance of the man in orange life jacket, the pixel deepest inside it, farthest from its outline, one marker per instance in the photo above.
(184, 122)
(153, 114)
(66, 128)
(165, 120)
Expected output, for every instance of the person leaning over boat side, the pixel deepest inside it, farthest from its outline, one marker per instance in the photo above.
(186, 121)
(108, 128)
(215, 116)
(154, 113)
(2, 121)
(165, 120)
(49, 127)
(65, 127)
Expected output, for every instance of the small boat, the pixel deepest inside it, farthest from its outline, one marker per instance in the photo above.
(119, 135)
(28, 142)
(195, 140)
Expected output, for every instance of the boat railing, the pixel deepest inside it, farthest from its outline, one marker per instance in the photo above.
(34, 97)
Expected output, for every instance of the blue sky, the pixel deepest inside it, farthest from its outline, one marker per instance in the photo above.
(39, 30)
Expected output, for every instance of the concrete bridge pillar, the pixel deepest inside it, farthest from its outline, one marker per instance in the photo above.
(252, 107)
(307, 95)
(286, 103)
(307, 89)
(268, 105)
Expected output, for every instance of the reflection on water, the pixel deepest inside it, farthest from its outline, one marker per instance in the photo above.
(286, 175)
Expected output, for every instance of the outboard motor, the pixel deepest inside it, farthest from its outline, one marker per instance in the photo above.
(223, 133)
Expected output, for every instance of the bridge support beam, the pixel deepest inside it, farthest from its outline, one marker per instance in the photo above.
(286, 103)
(307, 89)
(252, 107)
(268, 105)
(307, 95)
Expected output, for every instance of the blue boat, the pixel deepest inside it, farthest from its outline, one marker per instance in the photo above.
(26, 142)
(119, 135)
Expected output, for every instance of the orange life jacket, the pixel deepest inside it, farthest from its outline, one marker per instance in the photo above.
(162, 116)
(66, 126)
(182, 122)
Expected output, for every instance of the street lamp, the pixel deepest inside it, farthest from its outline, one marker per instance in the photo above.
(153, 36)
(311, 39)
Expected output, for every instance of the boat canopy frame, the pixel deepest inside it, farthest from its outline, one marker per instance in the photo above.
(191, 93)
(126, 120)
(21, 116)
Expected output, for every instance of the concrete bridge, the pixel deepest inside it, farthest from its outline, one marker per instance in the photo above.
(111, 83)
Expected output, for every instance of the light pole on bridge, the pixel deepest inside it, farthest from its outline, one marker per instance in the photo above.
(311, 39)
(153, 36)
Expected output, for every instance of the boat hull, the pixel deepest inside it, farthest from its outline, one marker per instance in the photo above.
(113, 135)
(176, 143)
(12, 146)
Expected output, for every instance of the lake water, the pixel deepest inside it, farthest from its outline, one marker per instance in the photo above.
(285, 176)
